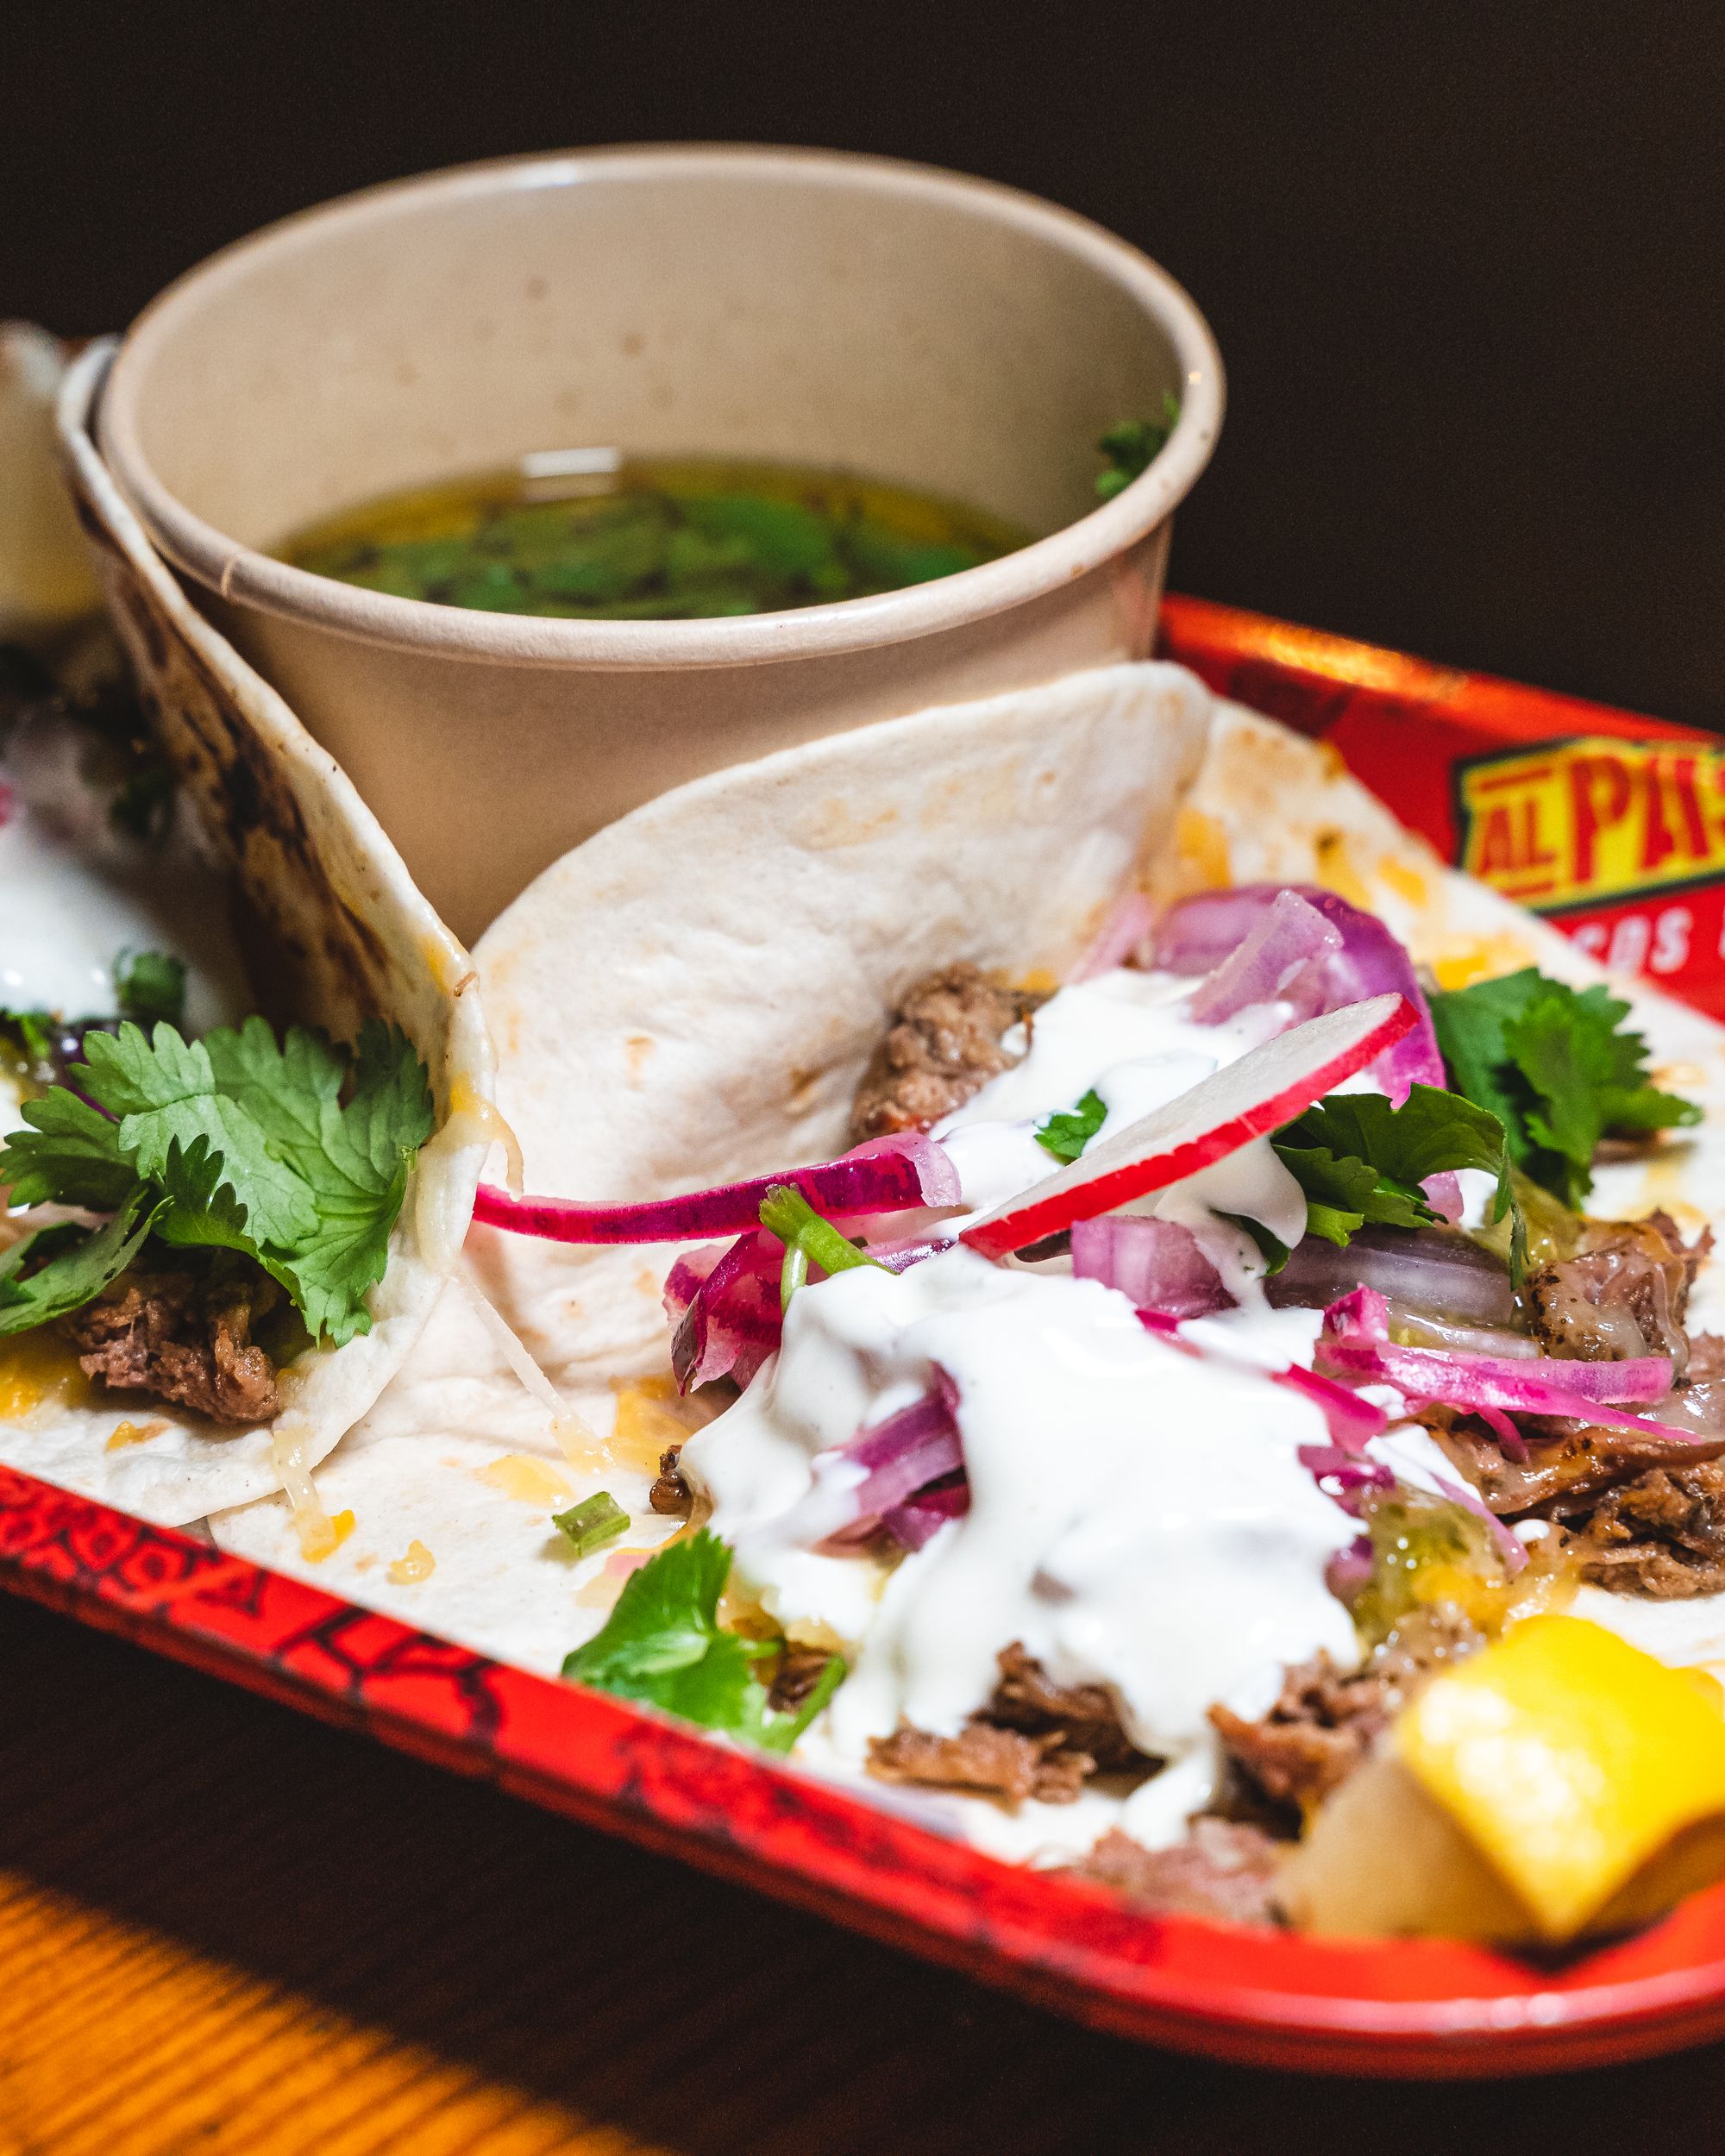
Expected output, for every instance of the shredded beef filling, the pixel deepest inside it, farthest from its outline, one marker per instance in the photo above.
(1662, 1535)
(985, 1760)
(1220, 1869)
(1326, 1720)
(1622, 1295)
(1083, 1716)
(184, 1340)
(943, 1046)
(800, 1668)
(1568, 1465)
(670, 1493)
(1035, 1738)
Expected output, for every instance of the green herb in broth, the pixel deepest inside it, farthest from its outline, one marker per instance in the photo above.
(656, 540)
(1130, 444)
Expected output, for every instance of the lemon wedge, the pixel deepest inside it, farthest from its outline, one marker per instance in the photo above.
(1556, 1782)
(1569, 1758)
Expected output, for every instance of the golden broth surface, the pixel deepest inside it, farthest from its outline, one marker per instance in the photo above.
(651, 539)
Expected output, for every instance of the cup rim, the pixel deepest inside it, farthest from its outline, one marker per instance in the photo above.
(241, 575)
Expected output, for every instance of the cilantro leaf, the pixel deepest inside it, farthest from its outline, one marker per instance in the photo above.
(1430, 1134)
(202, 1210)
(663, 1644)
(1361, 1162)
(1271, 1248)
(1066, 1136)
(35, 1032)
(1346, 1192)
(248, 1146)
(1557, 1067)
(165, 1088)
(356, 1168)
(80, 1264)
(69, 1155)
(150, 984)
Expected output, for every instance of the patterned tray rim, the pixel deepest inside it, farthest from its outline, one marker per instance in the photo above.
(1405, 2008)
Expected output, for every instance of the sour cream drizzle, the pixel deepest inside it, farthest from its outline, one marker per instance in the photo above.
(73, 896)
(1139, 1516)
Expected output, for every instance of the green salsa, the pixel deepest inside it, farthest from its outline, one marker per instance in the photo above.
(650, 539)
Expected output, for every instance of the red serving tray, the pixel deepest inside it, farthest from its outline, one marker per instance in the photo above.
(1405, 2008)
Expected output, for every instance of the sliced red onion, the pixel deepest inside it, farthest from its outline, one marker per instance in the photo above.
(1348, 1573)
(887, 1175)
(922, 1517)
(900, 1457)
(1343, 1477)
(1128, 923)
(725, 1303)
(1354, 1421)
(1283, 957)
(1426, 1269)
(1159, 1322)
(1509, 1547)
(899, 1257)
(1202, 934)
(1515, 1446)
(1157, 1263)
(1354, 1344)
(917, 1446)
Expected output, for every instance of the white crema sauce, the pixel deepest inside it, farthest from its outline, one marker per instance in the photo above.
(74, 897)
(1139, 1514)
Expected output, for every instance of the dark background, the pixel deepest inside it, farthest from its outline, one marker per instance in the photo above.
(1466, 265)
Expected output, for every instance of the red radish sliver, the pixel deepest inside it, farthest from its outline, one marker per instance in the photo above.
(888, 1174)
(1267, 1087)
(1157, 1263)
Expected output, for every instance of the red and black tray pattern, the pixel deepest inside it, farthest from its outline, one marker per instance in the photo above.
(1407, 2007)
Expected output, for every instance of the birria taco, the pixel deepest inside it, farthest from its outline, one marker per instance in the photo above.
(231, 1206)
(1073, 1275)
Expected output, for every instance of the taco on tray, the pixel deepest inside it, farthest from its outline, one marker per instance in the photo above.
(1076, 1277)
(243, 1076)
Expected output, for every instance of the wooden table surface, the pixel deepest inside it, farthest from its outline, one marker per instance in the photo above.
(223, 1928)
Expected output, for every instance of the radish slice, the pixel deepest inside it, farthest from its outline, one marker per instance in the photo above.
(1264, 1089)
(898, 1173)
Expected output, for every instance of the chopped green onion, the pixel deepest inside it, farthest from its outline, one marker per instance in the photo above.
(792, 1274)
(787, 1215)
(593, 1523)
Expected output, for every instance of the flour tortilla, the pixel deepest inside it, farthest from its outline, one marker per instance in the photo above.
(692, 994)
(343, 936)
